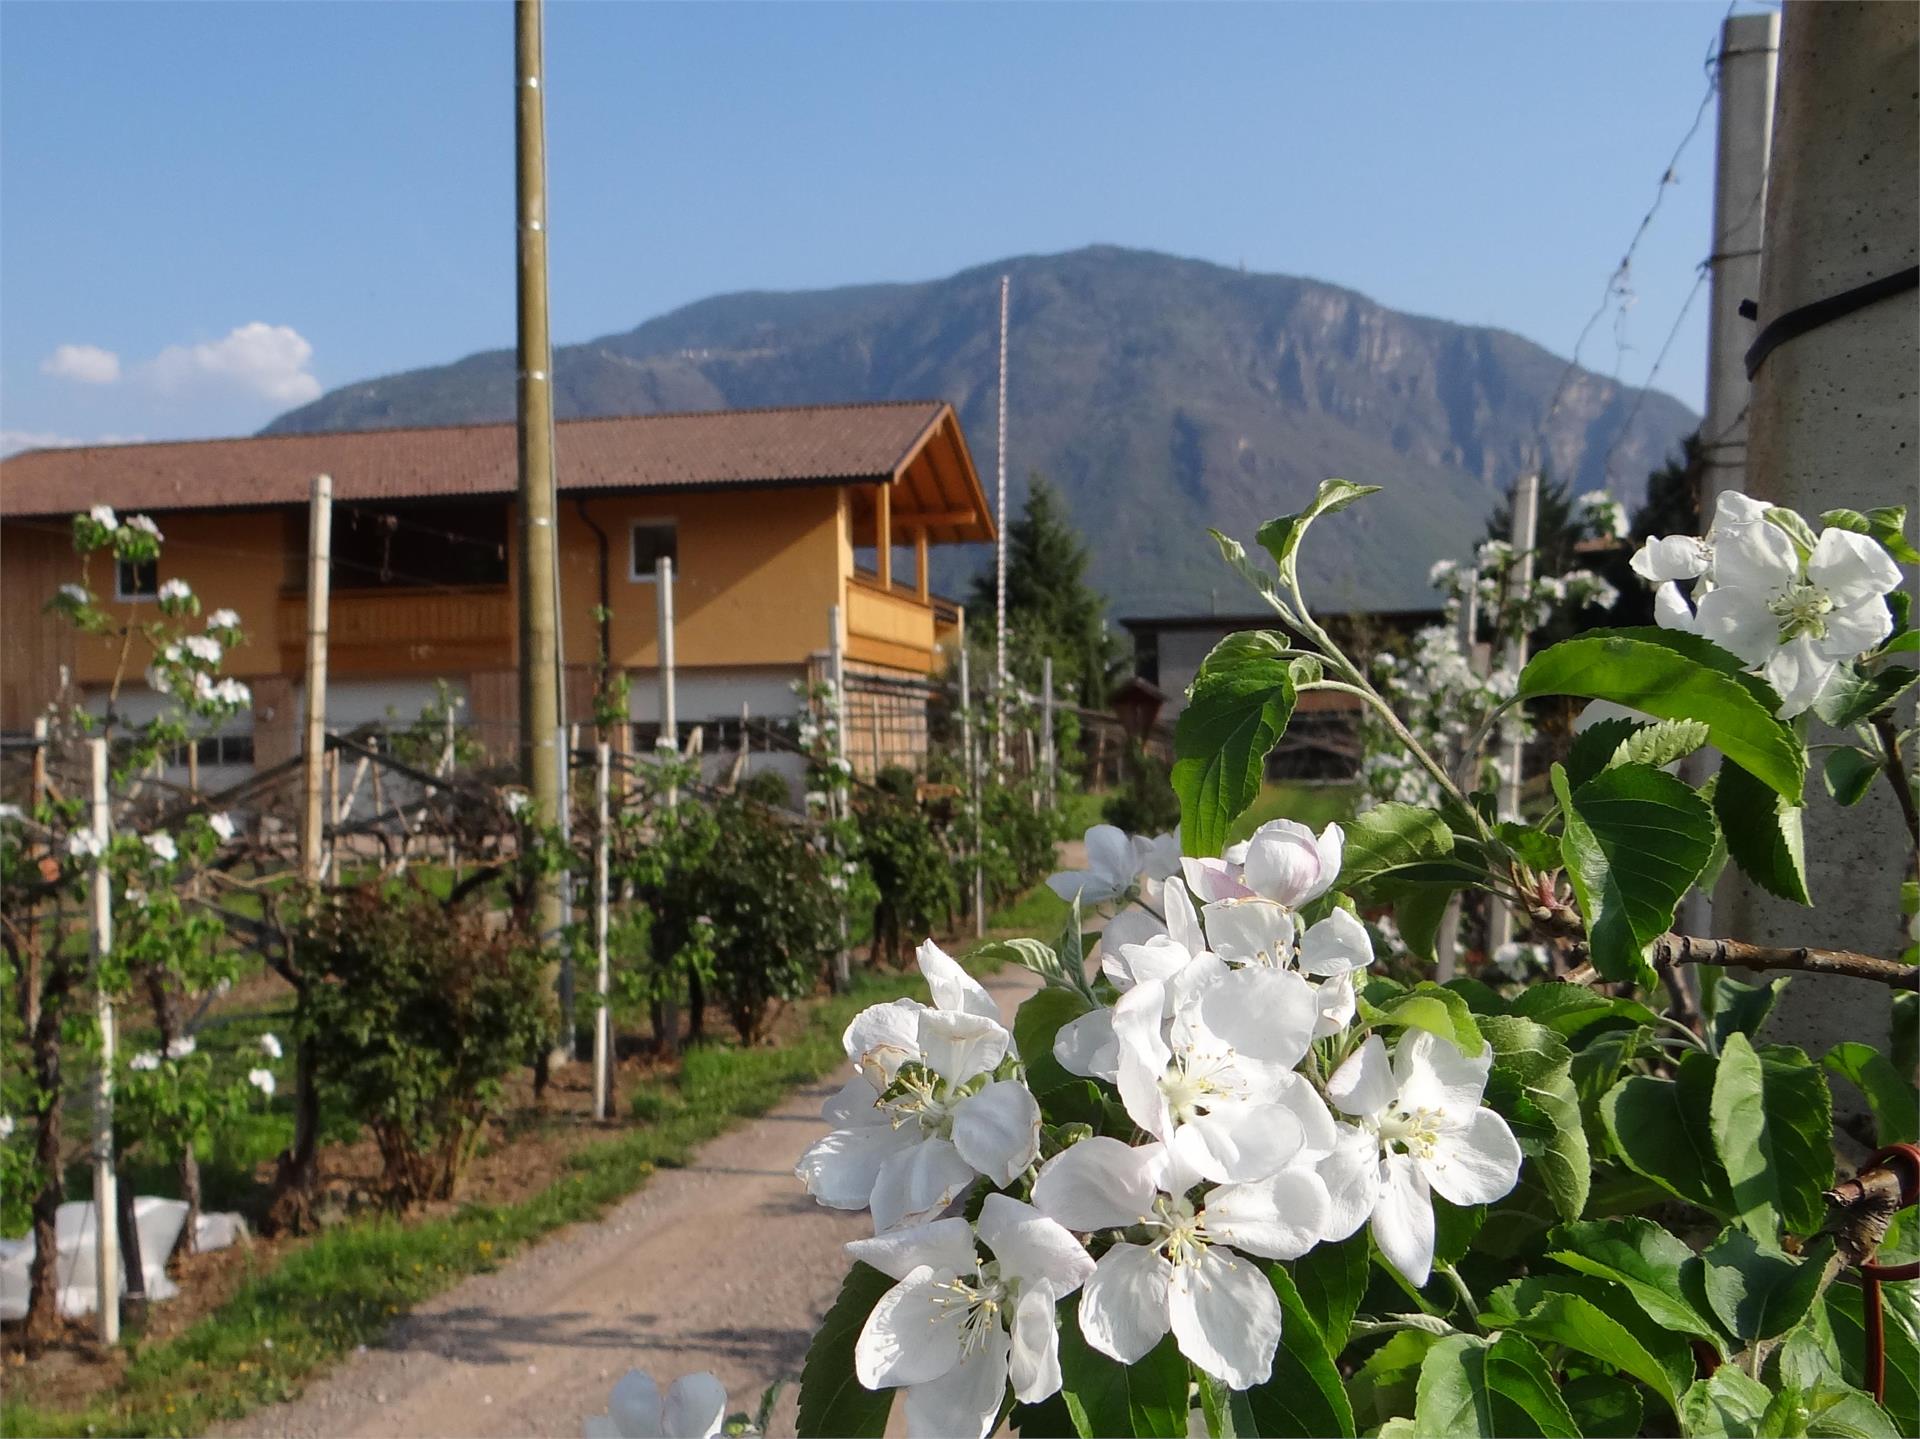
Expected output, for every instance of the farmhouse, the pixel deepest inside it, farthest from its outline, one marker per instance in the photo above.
(772, 518)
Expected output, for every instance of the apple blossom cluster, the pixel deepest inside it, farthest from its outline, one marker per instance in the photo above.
(1261, 1119)
(694, 1407)
(1794, 607)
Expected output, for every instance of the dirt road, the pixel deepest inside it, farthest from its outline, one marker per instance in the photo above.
(725, 1265)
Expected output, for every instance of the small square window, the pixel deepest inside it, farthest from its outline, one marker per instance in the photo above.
(136, 579)
(653, 541)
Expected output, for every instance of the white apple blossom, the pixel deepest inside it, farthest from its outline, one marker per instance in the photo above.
(6, 1127)
(223, 620)
(76, 594)
(160, 844)
(11, 813)
(182, 1047)
(1289, 864)
(144, 1061)
(270, 1046)
(204, 648)
(955, 1329)
(144, 524)
(516, 801)
(103, 516)
(222, 825)
(695, 1408)
(1421, 1127)
(262, 1080)
(232, 694)
(175, 591)
(1116, 865)
(85, 844)
(1182, 1275)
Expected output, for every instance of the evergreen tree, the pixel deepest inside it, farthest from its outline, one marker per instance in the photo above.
(1051, 609)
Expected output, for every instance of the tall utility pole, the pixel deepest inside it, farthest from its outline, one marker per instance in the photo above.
(314, 706)
(539, 679)
(1000, 555)
(106, 1203)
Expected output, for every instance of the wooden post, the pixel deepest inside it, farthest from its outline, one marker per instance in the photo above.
(319, 577)
(1000, 555)
(564, 739)
(883, 535)
(669, 1021)
(1526, 519)
(1447, 943)
(602, 1015)
(106, 1207)
(837, 669)
(36, 796)
(1046, 723)
(922, 584)
(969, 757)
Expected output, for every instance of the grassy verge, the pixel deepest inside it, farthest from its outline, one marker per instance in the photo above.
(346, 1286)
(1314, 805)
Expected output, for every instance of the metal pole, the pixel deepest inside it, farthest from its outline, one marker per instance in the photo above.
(1000, 554)
(566, 739)
(969, 756)
(319, 580)
(663, 597)
(106, 1208)
(1446, 945)
(538, 543)
(1526, 523)
(1046, 723)
(837, 669)
(602, 1015)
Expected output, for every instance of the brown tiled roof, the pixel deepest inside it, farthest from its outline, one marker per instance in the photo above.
(823, 444)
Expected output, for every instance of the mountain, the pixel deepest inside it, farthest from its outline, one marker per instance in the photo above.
(1161, 395)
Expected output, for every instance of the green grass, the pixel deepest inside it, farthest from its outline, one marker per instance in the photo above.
(1039, 912)
(1314, 805)
(344, 1288)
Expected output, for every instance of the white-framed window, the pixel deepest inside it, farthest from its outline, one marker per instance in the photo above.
(648, 542)
(136, 579)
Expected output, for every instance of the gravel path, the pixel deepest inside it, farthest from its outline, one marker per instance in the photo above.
(725, 1265)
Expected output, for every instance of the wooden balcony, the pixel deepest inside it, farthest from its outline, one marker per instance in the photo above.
(889, 627)
(404, 631)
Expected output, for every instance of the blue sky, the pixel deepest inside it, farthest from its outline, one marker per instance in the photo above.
(209, 213)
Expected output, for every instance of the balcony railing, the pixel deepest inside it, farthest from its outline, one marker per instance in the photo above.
(406, 627)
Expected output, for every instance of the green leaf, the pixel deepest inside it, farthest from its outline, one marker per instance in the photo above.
(1473, 1388)
(1235, 554)
(1634, 841)
(1531, 1086)
(1740, 1137)
(1728, 1405)
(1303, 1399)
(1390, 839)
(1660, 744)
(1852, 697)
(1420, 911)
(1672, 675)
(1839, 1411)
(1641, 1257)
(1533, 846)
(1216, 1407)
(833, 1403)
(1732, 1006)
(1232, 719)
(1240, 648)
(1039, 1018)
(1438, 1011)
(1759, 1290)
(1383, 1385)
(1603, 1404)
(1027, 953)
(1800, 1126)
(1887, 524)
(1598, 743)
(1771, 1122)
(1145, 1398)
(1762, 831)
(1894, 1101)
(1849, 773)
(1795, 527)
(1663, 1129)
(1900, 1308)
(1282, 537)
(1331, 1279)
(1571, 1009)
(1049, 1419)
(1576, 1313)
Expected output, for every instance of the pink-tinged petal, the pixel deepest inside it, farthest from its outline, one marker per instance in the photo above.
(1757, 557)
(1277, 1218)
(1434, 1074)
(1798, 672)
(1087, 1046)
(952, 987)
(958, 1046)
(997, 1130)
(1672, 612)
(1214, 879)
(1475, 1163)
(964, 1402)
(841, 1168)
(1739, 620)
(1856, 629)
(1338, 944)
(1352, 1174)
(1266, 1015)
(912, 1335)
(1403, 1219)
(943, 1244)
(1123, 1310)
(1851, 568)
(918, 1182)
(1099, 1183)
(1033, 1364)
(696, 1407)
(1284, 863)
(1250, 931)
(1224, 1313)
(635, 1406)
(1364, 1085)
(1032, 1248)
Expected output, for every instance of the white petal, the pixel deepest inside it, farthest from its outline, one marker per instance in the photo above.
(696, 1407)
(1476, 1163)
(1226, 1318)
(1284, 863)
(911, 1336)
(1277, 1218)
(841, 1168)
(1266, 1015)
(1338, 944)
(1110, 855)
(1212, 879)
(1434, 1074)
(1332, 844)
(1671, 557)
(1099, 1183)
(1031, 1248)
(918, 1182)
(1240, 1141)
(997, 1130)
(1250, 931)
(853, 1105)
(1159, 958)
(1758, 557)
(1852, 568)
(1857, 629)
(1143, 1057)
(1352, 1175)
(952, 986)
(944, 1244)
(1671, 610)
(1403, 1219)
(963, 1402)
(1033, 1364)
(1798, 671)
(635, 1404)
(1156, 858)
(1335, 1001)
(1132, 925)
(1734, 508)
(1123, 1311)
(1089, 888)
(599, 1426)
(1186, 987)
(1318, 1133)
(1087, 1046)
(885, 1036)
(1183, 920)
(957, 1045)
(1739, 620)
(1364, 1085)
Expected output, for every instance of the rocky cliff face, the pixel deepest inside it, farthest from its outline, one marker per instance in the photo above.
(1162, 395)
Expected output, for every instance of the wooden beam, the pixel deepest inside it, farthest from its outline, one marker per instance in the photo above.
(920, 563)
(942, 517)
(883, 535)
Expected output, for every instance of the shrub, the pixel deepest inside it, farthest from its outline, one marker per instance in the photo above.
(913, 876)
(418, 1013)
(768, 787)
(1145, 804)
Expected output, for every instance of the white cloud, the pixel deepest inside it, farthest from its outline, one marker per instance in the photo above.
(88, 364)
(14, 441)
(269, 361)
